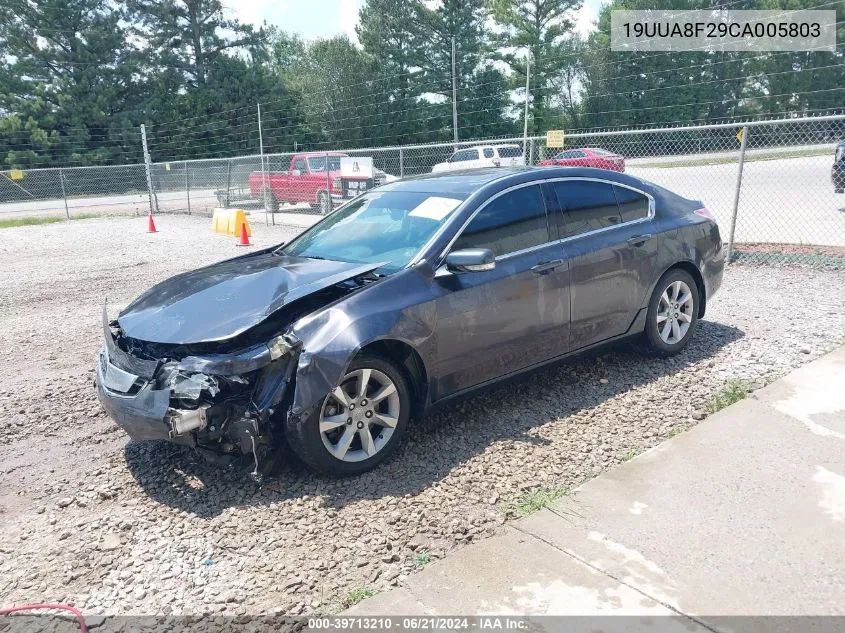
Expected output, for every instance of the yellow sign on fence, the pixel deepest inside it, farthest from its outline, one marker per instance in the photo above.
(16, 174)
(554, 138)
(739, 135)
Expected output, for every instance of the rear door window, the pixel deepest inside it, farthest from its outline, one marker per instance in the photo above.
(512, 222)
(632, 204)
(587, 206)
(510, 152)
(464, 155)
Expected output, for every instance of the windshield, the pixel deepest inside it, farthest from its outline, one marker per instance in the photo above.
(318, 163)
(601, 152)
(386, 226)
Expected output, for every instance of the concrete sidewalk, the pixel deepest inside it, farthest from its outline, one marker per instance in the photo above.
(742, 515)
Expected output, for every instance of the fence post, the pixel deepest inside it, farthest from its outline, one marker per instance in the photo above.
(401, 163)
(737, 192)
(263, 170)
(530, 152)
(64, 195)
(188, 187)
(147, 165)
(228, 180)
(329, 206)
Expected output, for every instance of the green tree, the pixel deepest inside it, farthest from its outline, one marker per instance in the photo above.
(333, 79)
(482, 90)
(538, 28)
(67, 93)
(388, 31)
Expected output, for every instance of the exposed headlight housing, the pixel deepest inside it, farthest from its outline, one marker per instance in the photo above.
(278, 347)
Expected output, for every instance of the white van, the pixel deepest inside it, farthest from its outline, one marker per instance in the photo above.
(483, 156)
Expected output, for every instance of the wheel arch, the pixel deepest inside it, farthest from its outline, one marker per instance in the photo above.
(409, 361)
(695, 273)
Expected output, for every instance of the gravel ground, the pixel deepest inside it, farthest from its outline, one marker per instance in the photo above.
(134, 529)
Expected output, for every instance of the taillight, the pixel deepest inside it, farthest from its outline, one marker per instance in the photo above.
(336, 186)
(705, 213)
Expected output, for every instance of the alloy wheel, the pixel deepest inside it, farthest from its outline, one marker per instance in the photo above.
(675, 312)
(358, 418)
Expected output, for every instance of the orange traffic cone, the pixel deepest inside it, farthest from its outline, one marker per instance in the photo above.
(151, 225)
(244, 236)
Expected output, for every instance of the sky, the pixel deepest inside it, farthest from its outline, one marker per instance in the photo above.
(324, 18)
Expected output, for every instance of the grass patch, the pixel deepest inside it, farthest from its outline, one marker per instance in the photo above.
(423, 559)
(44, 219)
(674, 431)
(732, 391)
(749, 158)
(357, 595)
(531, 502)
(631, 454)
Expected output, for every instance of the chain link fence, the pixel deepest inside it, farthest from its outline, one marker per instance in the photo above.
(774, 193)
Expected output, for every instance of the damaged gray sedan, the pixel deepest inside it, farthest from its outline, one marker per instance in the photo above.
(406, 297)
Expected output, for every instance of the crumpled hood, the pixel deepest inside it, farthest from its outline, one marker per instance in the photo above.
(225, 299)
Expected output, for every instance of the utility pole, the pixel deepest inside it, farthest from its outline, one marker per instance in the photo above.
(454, 97)
(527, 96)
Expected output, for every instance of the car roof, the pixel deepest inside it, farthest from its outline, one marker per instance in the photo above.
(467, 181)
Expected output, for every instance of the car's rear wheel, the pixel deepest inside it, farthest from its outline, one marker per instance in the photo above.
(270, 202)
(359, 424)
(672, 314)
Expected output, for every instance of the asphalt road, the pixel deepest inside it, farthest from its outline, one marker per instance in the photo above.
(789, 200)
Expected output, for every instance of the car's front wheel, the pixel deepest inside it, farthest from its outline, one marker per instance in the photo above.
(672, 314)
(359, 424)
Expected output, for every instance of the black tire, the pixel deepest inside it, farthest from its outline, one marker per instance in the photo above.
(651, 342)
(305, 439)
(270, 202)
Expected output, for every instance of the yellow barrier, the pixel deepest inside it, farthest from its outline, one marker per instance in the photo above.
(229, 221)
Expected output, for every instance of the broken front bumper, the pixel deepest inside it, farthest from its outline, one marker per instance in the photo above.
(133, 403)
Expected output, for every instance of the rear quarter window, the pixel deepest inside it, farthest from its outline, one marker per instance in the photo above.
(632, 204)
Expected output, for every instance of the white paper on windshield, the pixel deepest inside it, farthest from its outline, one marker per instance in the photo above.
(434, 208)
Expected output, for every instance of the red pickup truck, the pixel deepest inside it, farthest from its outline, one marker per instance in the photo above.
(308, 181)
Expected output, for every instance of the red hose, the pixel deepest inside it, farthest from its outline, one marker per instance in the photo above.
(62, 607)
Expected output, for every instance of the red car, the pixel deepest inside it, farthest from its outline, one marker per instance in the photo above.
(587, 157)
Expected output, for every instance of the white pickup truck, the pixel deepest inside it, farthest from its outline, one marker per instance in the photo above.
(482, 156)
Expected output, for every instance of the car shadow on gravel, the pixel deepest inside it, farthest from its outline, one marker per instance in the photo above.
(178, 477)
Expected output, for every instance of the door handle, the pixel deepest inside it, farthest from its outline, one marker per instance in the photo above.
(639, 240)
(546, 266)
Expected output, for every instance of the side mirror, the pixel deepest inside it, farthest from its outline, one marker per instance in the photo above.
(471, 260)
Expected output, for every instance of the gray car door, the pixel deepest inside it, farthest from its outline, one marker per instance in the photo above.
(495, 322)
(612, 255)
